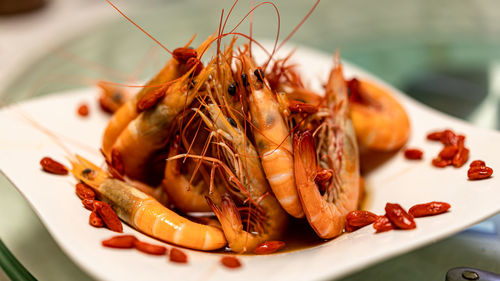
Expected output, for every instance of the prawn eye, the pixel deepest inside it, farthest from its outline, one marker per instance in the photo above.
(231, 89)
(117, 97)
(88, 173)
(244, 79)
(259, 74)
(192, 84)
(232, 122)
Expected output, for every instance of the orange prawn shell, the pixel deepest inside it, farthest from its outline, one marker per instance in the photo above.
(382, 124)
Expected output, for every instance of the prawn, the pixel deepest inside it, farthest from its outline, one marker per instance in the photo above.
(150, 131)
(181, 182)
(173, 69)
(327, 162)
(186, 194)
(145, 213)
(272, 139)
(266, 220)
(380, 121)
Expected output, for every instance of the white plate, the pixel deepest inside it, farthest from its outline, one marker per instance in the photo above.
(397, 180)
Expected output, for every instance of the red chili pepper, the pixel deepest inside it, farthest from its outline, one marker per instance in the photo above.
(429, 209)
(399, 217)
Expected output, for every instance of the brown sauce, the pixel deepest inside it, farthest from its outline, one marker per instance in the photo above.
(298, 236)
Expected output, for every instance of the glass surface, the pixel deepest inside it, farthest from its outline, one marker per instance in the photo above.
(445, 55)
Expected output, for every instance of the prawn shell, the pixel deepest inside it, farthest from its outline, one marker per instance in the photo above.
(147, 215)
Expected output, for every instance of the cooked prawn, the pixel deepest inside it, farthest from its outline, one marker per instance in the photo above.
(266, 220)
(186, 195)
(327, 171)
(380, 121)
(272, 138)
(144, 213)
(173, 69)
(149, 132)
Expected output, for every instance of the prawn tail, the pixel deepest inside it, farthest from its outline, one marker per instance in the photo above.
(229, 217)
(304, 157)
(87, 172)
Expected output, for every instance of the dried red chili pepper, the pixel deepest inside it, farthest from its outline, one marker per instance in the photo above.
(95, 220)
(429, 209)
(120, 242)
(83, 110)
(150, 249)
(413, 154)
(399, 217)
(479, 172)
(230, 262)
(360, 218)
(84, 191)
(178, 256)
(382, 224)
(268, 247)
(52, 166)
(108, 216)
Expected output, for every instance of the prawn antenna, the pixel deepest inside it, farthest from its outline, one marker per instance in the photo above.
(136, 25)
(299, 25)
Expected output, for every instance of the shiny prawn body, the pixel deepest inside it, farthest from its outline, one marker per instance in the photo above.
(272, 137)
(150, 131)
(187, 195)
(146, 214)
(187, 181)
(128, 112)
(380, 121)
(291, 93)
(327, 162)
(265, 219)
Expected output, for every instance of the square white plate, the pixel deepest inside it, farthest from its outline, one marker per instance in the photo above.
(52, 197)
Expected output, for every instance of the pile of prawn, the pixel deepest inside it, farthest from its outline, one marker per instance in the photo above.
(223, 153)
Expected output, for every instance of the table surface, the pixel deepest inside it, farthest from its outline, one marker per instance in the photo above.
(443, 56)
